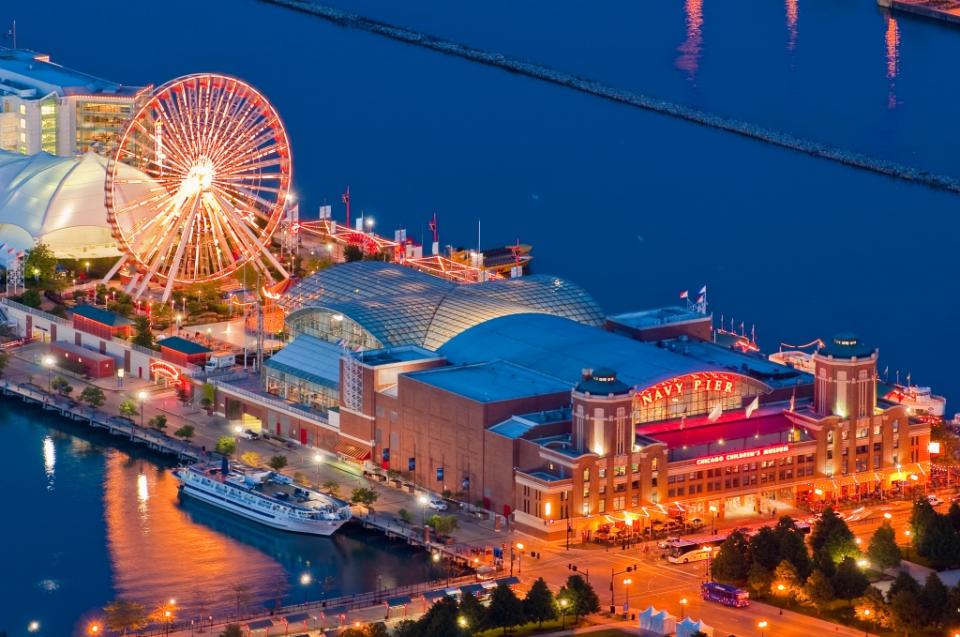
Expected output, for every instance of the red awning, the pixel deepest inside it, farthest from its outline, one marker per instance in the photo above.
(352, 451)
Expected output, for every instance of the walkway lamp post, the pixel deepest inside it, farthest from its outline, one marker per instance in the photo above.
(762, 625)
(713, 518)
(142, 397)
(519, 557)
(319, 460)
(564, 602)
(683, 607)
(866, 617)
(626, 594)
(48, 362)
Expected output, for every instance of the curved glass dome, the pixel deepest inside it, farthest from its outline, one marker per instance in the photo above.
(371, 304)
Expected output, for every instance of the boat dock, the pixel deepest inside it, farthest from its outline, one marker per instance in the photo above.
(152, 439)
(945, 10)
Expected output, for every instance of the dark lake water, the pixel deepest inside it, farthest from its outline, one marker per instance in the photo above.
(86, 523)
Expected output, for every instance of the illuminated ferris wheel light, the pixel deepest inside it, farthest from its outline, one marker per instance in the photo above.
(198, 183)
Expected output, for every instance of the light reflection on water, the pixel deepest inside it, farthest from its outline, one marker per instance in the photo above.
(892, 38)
(793, 16)
(689, 59)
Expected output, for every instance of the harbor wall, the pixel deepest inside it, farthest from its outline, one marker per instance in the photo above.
(629, 98)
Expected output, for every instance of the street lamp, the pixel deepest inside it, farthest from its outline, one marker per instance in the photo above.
(462, 622)
(305, 579)
(907, 533)
(33, 627)
(564, 602)
(683, 607)
(48, 362)
(319, 460)
(762, 625)
(142, 397)
(423, 500)
(93, 629)
(626, 593)
(866, 616)
(713, 518)
(519, 557)
(369, 223)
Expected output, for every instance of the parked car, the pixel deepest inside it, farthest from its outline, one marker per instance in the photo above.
(249, 434)
(695, 523)
(437, 504)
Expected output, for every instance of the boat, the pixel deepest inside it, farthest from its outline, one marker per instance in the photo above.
(266, 497)
(920, 400)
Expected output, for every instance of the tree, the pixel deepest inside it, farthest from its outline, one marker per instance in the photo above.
(40, 268)
(583, 599)
(953, 513)
(759, 579)
(278, 462)
(786, 582)
(903, 609)
(232, 630)
(951, 616)
(832, 535)
(883, 551)
(922, 518)
(538, 605)
(933, 600)
(142, 333)
(4, 361)
(250, 458)
(405, 516)
(849, 581)
(818, 590)
(731, 564)
(61, 385)
(186, 432)
(473, 612)
(505, 609)
(363, 495)
(226, 445)
(939, 542)
(332, 487)
(128, 408)
(31, 298)
(123, 615)
(764, 548)
(158, 422)
(183, 395)
(93, 396)
(872, 608)
(443, 524)
(440, 620)
(208, 395)
(903, 582)
(793, 548)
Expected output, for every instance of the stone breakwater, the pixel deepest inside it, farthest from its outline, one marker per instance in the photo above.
(637, 100)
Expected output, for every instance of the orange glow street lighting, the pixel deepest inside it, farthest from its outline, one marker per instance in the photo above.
(762, 625)
(683, 607)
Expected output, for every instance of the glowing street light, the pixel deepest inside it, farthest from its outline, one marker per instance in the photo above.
(762, 625)
(33, 627)
(48, 362)
(519, 557)
(423, 501)
(887, 515)
(683, 607)
(93, 629)
(866, 616)
(368, 221)
(564, 602)
(305, 579)
(626, 592)
(462, 621)
(319, 460)
(142, 397)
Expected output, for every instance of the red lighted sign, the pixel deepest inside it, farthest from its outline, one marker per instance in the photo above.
(743, 455)
(164, 368)
(716, 382)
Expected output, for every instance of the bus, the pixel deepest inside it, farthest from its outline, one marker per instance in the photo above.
(693, 549)
(725, 594)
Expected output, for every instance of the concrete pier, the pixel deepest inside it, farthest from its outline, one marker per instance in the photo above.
(945, 10)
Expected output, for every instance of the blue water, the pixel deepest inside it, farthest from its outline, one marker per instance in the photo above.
(87, 523)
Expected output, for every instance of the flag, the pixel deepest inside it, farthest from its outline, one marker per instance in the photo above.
(345, 197)
(793, 400)
(752, 407)
(716, 412)
(432, 224)
(701, 298)
(684, 294)
(703, 290)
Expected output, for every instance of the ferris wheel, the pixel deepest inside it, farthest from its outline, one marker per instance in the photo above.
(198, 183)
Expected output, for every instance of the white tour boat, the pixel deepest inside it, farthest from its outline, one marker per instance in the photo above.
(264, 496)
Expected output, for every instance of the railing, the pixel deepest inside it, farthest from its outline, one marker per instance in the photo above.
(35, 312)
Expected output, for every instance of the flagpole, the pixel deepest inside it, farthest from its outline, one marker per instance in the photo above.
(14, 30)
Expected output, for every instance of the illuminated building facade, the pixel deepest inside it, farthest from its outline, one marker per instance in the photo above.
(45, 107)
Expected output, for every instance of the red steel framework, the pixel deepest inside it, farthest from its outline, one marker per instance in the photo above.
(198, 184)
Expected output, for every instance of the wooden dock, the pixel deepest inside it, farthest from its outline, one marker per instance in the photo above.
(114, 425)
(944, 10)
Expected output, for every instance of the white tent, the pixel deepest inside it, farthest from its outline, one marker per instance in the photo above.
(57, 200)
(689, 627)
(658, 622)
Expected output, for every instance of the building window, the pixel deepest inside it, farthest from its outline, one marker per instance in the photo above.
(896, 426)
(620, 471)
(586, 475)
(618, 503)
(602, 472)
(635, 467)
(877, 429)
(861, 432)
(601, 505)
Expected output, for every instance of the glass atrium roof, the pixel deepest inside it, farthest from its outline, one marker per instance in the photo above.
(396, 305)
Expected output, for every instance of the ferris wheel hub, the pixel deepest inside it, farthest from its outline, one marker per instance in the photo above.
(199, 179)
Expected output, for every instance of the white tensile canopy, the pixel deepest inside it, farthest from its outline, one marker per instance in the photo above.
(688, 627)
(658, 622)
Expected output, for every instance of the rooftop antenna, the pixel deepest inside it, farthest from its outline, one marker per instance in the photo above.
(12, 33)
(435, 229)
(345, 197)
